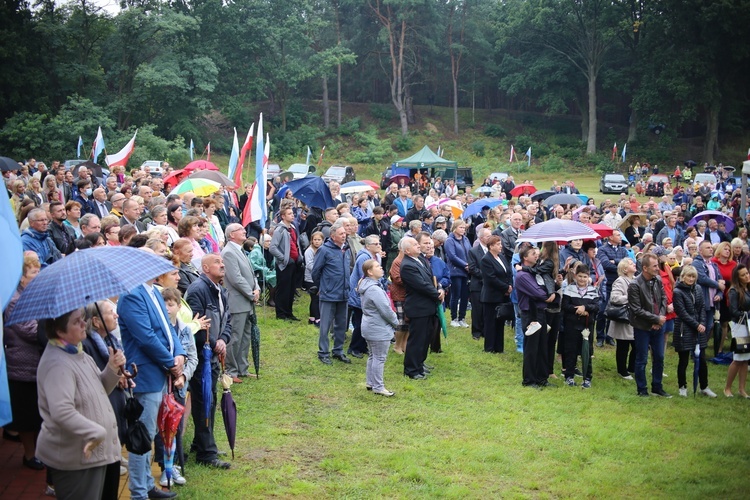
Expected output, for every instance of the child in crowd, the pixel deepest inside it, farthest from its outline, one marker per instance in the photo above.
(580, 305)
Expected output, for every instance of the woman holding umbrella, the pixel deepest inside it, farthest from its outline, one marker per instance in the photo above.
(78, 439)
(689, 330)
(739, 305)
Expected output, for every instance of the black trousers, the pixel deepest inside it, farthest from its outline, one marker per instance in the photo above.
(314, 302)
(534, 348)
(435, 341)
(204, 443)
(625, 362)
(358, 343)
(477, 314)
(285, 284)
(417, 345)
(494, 328)
(685, 357)
(553, 320)
(111, 482)
(573, 345)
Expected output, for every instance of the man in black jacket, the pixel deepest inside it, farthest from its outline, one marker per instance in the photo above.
(420, 307)
(62, 235)
(475, 284)
(206, 297)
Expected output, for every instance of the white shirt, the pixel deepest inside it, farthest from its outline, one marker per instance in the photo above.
(165, 324)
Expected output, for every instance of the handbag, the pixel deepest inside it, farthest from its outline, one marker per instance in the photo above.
(137, 439)
(740, 336)
(505, 311)
(617, 313)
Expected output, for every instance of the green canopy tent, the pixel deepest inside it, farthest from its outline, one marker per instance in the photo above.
(425, 158)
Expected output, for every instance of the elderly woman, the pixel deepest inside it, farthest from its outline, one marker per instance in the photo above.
(22, 351)
(457, 249)
(183, 254)
(73, 215)
(622, 332)
(111, 231)
(378, 324)
(738, 253)
(78, 440)
(690, 330)
(190, 229)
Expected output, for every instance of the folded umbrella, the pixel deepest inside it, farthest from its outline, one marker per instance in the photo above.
(255, 346)
(585, 351)
(228, 409)
(86, 276)
(696, 367)
(207, 382)
(168, 422)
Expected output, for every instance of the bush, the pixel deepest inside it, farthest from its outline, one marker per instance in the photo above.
(372, 150)
(404, 144)
(293, 144)
(522, 143)
(553, 164)
(382, 112)
(492, 130)
(349, 127)
(478, 148)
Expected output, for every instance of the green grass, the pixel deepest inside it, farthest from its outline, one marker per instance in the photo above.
(470, 430)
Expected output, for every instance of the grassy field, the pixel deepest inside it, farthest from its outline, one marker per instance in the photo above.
(470, 430)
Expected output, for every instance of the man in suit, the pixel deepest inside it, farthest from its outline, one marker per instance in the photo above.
(714, 234)
(206, 297)
(286, 250)
(509, 236)
(130, 215)
(243, 292)
(101, 207)
(420, 307)
(475, 285)
(152, 344)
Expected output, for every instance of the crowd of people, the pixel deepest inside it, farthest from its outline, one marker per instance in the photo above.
(390, 270)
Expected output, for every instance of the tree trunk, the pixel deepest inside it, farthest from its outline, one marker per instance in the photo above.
(338, 96)
(455, 104)
(711, 142)
(584, 120)
(633, 129)
(591, 138)
(409, 102)
(326, 104)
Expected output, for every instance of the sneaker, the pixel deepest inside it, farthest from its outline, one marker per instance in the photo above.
(708, 393)
(626, 377)
(123, 470)
(586, 384)
(463, 324)
(455, 324)
(662, 393)
(683, 392)
(570, 382)
(49, 491)
(176, 478)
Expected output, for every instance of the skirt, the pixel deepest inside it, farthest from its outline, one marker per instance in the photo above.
(25, 407)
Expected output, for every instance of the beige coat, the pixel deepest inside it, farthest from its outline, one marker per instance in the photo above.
(75, 408)
(619, 296)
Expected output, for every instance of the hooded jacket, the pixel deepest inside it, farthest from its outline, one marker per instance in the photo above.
(41, 244)
(362, 256)
(688, 304)
(378, 319)
(331, 272)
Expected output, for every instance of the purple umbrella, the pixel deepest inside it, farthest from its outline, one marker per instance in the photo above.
(713, 214)
(558, 230)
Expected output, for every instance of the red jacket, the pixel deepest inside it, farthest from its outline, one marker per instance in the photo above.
(667, 290)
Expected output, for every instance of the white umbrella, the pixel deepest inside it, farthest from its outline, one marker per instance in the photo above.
(558, 230)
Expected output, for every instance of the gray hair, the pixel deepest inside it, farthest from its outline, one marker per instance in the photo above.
(86, 220)
(158, 210)
(339, 223)
(440, 235)
(230, 229)
(372, 239)
(404, 241)
(34, 213)
(415, 226)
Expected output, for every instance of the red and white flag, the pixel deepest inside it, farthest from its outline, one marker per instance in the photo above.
(614, 152)
(512, 153)
(243, 152)
(121, 158)
(208, 149)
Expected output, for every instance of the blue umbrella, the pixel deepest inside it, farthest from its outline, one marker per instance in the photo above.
(584, 198)
(84, 277)
(312, 191)
(478, 205)
(207, 381)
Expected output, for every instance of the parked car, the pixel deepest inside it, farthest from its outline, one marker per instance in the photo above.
(339, 173)
(153, 166)
(300, 170)
(655, 185)
(699, 179)
(464, 178)
(273, 170)
(385, 178)
(613, 183)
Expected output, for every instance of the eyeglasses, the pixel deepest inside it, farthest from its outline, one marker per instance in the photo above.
(238, 229)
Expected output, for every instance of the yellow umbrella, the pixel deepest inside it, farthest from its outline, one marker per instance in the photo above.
(201, 187)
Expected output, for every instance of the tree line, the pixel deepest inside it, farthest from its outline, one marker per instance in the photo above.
(181, 69)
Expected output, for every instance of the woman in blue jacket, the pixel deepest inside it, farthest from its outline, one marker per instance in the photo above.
(457, 248)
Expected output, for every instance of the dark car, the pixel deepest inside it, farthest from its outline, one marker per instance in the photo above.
(613, 183)
(464, 178)
(385, 177)
(339, 173)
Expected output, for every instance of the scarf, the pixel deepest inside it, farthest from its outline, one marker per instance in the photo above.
(67, 347)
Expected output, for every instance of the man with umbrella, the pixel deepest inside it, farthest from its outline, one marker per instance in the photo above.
(207, 297)
(152, 344)
(243, 293)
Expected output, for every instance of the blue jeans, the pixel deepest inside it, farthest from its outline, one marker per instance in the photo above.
(332, 316)
(519, 329)
(459, 297)
(141, 479)
(643, 340)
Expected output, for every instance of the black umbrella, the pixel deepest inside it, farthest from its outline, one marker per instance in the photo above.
(563, 199)
(94, 168)
(709, 168)
(541, 195)
(7, 164)
(717, 333)
(690, 163)
(255, 345)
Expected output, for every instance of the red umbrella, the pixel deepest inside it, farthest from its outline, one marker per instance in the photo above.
(373, 184)
(601, 230)
(174, 177)
(200, 165)
(522, 189)
(168, 421)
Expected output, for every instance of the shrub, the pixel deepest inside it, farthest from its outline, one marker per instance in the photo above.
(382, 112)
(478, 148)
(372, 150)
(553, 164)
(349, 127)
(493, 130)
(403, 144)
(522, 143)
